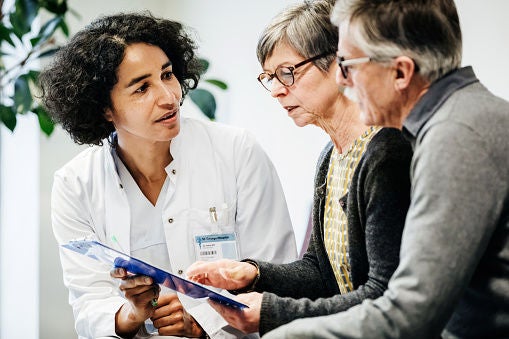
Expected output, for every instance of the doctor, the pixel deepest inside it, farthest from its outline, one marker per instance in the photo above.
(159, 187)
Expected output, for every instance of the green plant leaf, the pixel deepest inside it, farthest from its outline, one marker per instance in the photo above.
(22, 96)
(65, 29)
(204, 65)
(22, 18)
(5, 35)
(49, 52)
(58, 7)
(46, 31)
(33, 75)
(8, 117)
(45, 122)
(205, 102)
(217, 83)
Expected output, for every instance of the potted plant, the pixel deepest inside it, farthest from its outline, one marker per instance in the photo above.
(22, 44)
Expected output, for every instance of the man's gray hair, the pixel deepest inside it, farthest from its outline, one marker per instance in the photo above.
(427, 31)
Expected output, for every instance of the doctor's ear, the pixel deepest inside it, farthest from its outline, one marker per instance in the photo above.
(108, 115)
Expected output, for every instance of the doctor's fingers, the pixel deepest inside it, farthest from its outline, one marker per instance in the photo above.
(119, 273)
(167, 304)
(179, 323)
(134, 281)
(141, 294)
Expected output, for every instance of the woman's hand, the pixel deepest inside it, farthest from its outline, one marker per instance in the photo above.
(225, 273)
(170, 318)
(141, 294)
(248, 319)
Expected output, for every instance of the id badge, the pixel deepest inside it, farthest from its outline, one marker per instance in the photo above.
(210, 247)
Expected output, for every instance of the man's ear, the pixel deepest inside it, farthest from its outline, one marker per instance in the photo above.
(405, 70)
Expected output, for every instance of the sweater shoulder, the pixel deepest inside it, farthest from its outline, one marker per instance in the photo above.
(388, 142)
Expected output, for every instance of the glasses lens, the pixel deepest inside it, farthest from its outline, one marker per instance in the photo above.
(266, 80)
(285, 75)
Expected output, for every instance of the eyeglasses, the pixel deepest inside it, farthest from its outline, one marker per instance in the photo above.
(285, 73)
(344, 64)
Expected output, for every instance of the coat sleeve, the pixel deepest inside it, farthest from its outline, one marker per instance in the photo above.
(92, 292)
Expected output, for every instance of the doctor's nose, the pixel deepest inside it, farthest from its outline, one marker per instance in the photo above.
(168, 95)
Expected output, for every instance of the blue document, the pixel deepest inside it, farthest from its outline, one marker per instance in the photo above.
(108, 255)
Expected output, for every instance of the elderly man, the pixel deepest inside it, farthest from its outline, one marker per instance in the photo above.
(402, 60)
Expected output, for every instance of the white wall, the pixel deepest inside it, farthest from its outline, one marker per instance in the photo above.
(227, 33)
(19, 229)
(485, 30)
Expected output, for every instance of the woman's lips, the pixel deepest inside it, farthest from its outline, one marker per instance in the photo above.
(289, 109)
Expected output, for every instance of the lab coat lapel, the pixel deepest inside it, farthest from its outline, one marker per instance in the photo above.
(118, 216)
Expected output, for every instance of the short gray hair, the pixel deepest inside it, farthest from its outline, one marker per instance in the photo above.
(304, 27)
(428, 31)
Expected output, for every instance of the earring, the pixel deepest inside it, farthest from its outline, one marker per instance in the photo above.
(181, 101)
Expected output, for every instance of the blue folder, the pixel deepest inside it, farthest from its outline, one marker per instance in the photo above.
(108, 255)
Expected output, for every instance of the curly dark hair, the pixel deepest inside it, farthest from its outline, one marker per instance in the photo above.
(76, 86)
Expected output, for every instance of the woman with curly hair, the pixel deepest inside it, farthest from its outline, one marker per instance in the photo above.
(152, 183)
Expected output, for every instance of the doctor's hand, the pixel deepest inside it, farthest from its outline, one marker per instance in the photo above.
(170, 318)
(141, 294)
(225, 273)
(248, 319)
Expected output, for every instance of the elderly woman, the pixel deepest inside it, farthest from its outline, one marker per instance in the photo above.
(362, 188)
(154, 183)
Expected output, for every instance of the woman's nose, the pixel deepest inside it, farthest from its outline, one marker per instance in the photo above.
(278, 89)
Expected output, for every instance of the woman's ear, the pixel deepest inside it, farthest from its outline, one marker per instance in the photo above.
(108, 115)
(405, 70)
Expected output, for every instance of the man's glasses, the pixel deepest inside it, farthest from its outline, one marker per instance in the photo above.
(344, 64)
(285, 73)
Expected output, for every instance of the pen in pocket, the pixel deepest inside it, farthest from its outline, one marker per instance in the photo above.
(213, 214)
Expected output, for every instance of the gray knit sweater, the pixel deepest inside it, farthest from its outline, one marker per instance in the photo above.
(376, 207)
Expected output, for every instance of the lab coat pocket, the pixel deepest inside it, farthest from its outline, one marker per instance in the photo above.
(214, 235)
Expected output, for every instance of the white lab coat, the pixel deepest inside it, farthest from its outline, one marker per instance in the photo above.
(214, 166)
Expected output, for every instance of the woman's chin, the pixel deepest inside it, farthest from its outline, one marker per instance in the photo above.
(300, 123)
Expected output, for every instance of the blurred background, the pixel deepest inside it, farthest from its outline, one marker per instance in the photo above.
(33, 299)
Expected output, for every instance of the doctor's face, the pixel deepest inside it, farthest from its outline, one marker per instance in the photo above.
(146, 98)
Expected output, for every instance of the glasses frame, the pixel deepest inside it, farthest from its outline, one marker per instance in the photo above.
(291, 69)
(344, 64)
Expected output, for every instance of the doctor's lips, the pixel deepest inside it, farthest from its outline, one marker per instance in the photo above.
(167, 116)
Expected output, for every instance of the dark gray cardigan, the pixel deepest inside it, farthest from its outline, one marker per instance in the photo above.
(376, 204)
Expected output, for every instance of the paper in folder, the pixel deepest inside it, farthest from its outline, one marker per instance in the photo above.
(108, 255)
